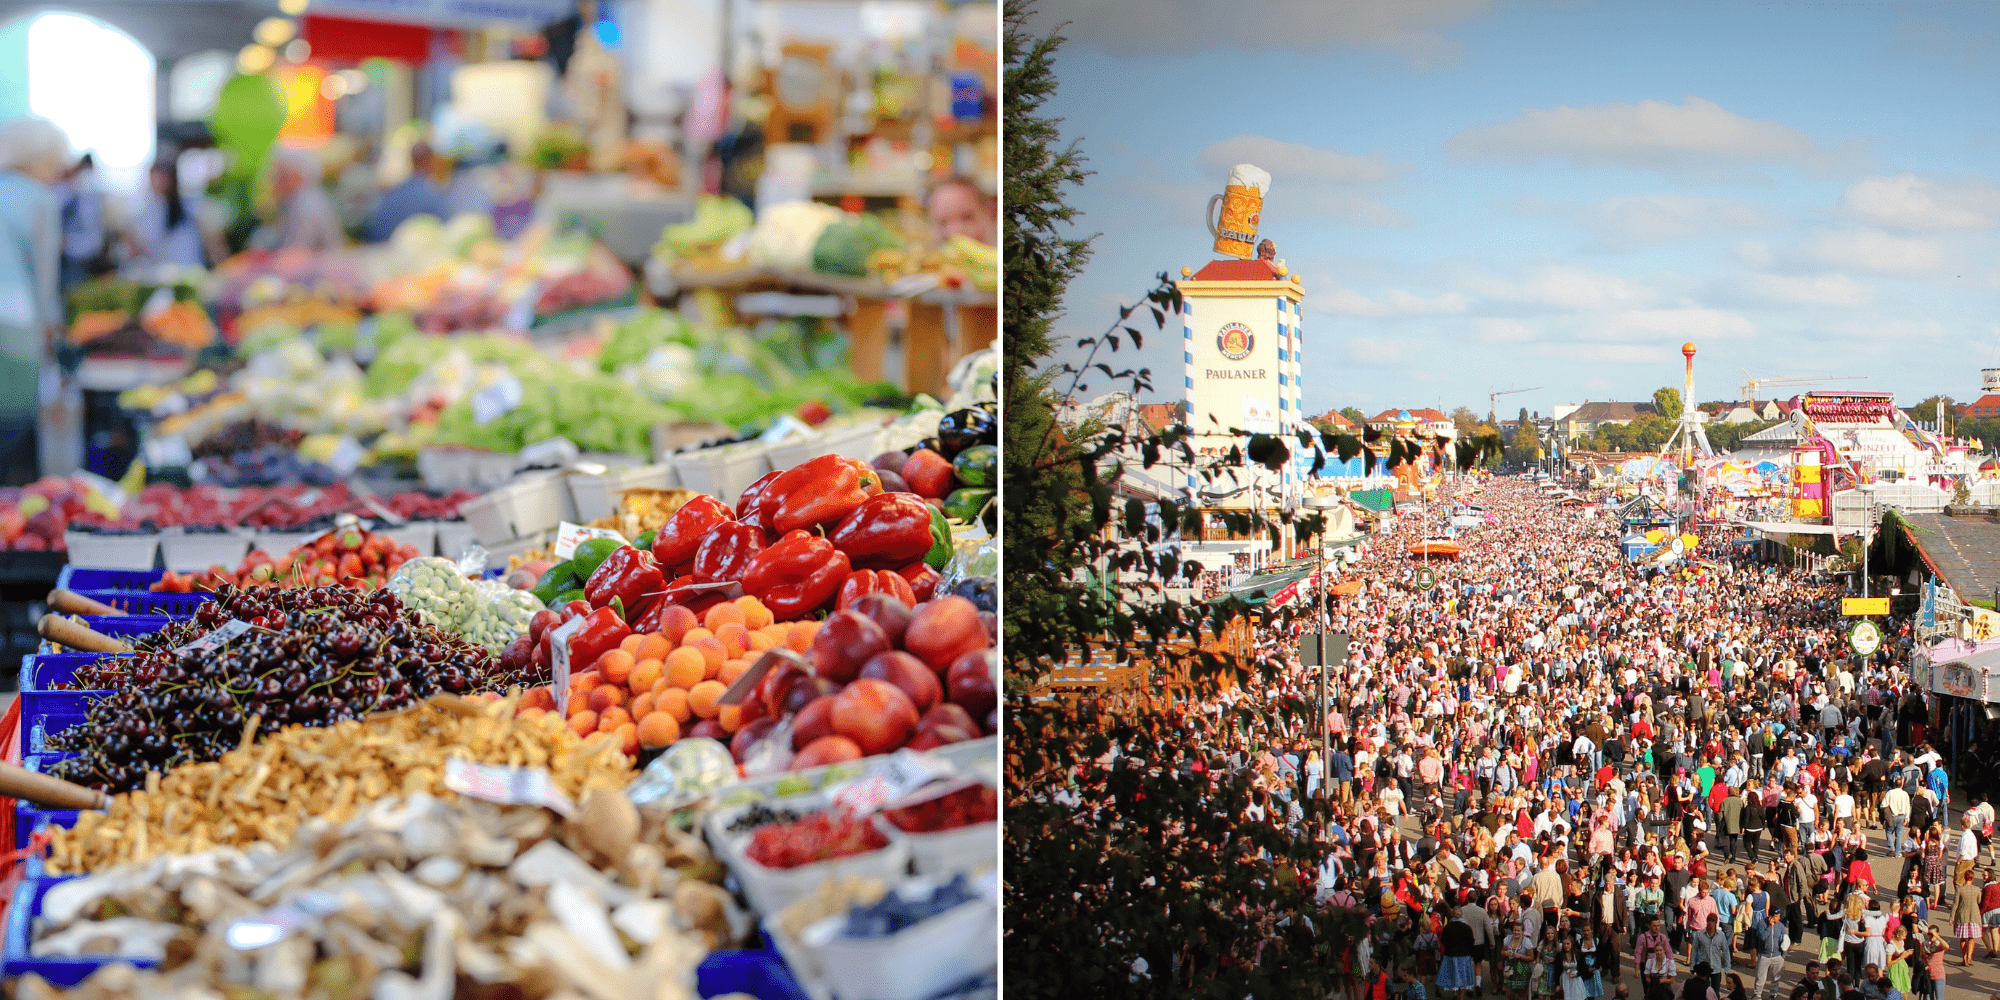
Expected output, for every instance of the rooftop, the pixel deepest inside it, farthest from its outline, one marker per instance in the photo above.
(1238, 270)
(1965, 550)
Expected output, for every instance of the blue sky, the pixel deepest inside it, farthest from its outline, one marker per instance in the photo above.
(1484, 196)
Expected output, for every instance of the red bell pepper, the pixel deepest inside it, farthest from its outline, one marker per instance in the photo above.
(874, 581)
(727, 552)
(628, 575)
(675, 544)
(799, 575)
(749, 505)
(923, 580)
(575, 609)
(885, 532)
(818, 492)
(601, 632)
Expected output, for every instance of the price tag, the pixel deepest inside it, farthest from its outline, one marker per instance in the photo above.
(787, 427)
(508, 786)
(346, 457)
(156, 304)
(394, 519)
(903, 772)
(167, 453)
(496, 400)
(218, 637)
(569, 536)
(282, 921)
(522, 314)
(559, 663)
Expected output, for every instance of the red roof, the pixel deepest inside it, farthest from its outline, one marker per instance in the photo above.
(1160, 415)
(1335, 418)
(1985, 406)
(1429, 416)
(1238, 270)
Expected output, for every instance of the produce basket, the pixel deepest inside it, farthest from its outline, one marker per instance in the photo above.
(127, 552)
(854, 441)
(150, 602)
(42, 673)
(597, 496)
(453, 537)
(277, 543)
(518, 511)
(761, 974)
(499, 551)
(188, 553)
(59, 971)
(80, 576)
(944, 853)
(725, 472)
(770, 890)
(39, 730)
(915, 963)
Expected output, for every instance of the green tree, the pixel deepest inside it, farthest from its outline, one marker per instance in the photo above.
(1667, 402)
(1926, 411)
(1158, 867)
(1466, 422)
(1648, 432)
(1354, 413)
(1526, 446)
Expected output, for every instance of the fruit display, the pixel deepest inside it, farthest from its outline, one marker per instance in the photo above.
(33, 518)
(957, 469)
(111, 314)
(295, 507)
(822, 836)
(346, 556)
(459, 275)
(334, 771)
(965, 807)
(312, 656)
(896, 911)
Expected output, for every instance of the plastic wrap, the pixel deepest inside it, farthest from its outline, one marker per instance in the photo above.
(436, 588)
(688, 772)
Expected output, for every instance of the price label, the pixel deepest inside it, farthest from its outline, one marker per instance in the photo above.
(218, 637)
(508, 786)
(496, 400)
(167, 453)
(903, 772)
(346, 457)
(569, 536)
(156, 304)
(559, 663)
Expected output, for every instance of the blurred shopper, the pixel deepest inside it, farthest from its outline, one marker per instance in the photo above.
(82, 224)
(32, 154)
(959, 208)
(306, 216)
(419, 194)
(166, 231)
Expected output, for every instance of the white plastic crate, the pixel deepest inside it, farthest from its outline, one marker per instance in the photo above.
(772, 889)
(538, 505)
(277, 543)
(913, 964)
(496, 555)
(487, 521)
(725, 472)
(188, 553)
(87, 548)
(852, 441)
(453, 537)
(598, 496)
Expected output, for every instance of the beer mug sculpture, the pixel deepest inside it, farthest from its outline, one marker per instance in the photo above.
(1235, 229)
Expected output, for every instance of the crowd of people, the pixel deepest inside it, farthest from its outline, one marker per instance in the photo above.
(1561, 773)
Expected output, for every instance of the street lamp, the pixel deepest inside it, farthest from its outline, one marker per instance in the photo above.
(1867, 529)
(1326, 737)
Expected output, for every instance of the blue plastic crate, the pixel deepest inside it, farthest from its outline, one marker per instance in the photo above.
(119, 625)
(29, 817)
(762, 974)
(42, 673)
(21, 931)
(39, 730)
(147, 602)
(85, 578)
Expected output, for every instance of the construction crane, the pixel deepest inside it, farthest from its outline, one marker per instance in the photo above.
(1492, 406)
(1751, 382)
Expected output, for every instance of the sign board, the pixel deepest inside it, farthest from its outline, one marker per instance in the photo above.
(1865, 638)
(1959, 680)
(1855, 606)
(1980, 625)
(1989, 379)
(1426, 578)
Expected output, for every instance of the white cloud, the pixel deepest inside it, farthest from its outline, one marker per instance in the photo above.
(1693, 135)
(1755, 253)
(1625, 223)
(1617, 354)
(1395, 302)
(1687, 322)
(1504, 331)
(1566, 288)
(1915, 204)
(1874, 251)
(1177, 27)
(1309, 179)
(1297, 160)
(1369, 351)
(1812, 290)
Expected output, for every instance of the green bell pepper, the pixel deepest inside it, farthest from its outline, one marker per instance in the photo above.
(940, 552)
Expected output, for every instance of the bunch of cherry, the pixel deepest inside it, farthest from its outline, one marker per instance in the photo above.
(317, 657)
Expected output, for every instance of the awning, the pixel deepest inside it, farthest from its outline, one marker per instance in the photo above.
(1379, 501)
(1261, 588)
(1345, 588)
